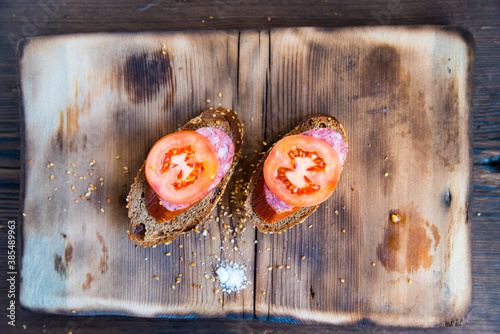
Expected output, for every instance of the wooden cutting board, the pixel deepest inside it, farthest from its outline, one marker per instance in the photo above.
(390, 247)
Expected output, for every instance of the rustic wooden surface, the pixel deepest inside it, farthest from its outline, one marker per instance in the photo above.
(108, 91)
(479, 17)
(405, 106)
(401, 95)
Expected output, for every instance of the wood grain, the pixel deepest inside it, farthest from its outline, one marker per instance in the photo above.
(410, 158)
(113, 97)
(402, 98)
(479, 17)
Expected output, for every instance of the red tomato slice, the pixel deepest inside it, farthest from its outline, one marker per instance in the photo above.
(302, 170)
(181, 167)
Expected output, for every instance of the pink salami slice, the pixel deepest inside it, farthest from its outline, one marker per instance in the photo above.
(274, 202)
(333, 138)
(224, 147)
(173, 207)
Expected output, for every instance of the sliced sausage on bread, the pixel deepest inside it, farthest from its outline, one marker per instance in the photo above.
(147, 231)
(268, 218)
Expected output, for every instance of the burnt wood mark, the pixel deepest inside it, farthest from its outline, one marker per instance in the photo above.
(146, 75)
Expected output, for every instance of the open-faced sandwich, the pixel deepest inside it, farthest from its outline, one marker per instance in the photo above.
(296, 174)
(183, 177)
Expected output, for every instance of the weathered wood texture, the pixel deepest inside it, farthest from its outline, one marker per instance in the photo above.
(402, 96)
(405, 109)
(109, 99)
(479, 17)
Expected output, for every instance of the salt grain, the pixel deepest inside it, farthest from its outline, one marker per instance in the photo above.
(232, 277)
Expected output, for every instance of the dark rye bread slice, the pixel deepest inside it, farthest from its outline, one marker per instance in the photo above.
(144, 230)
(314, 121)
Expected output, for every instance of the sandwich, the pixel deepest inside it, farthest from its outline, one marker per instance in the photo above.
(184, 177)
(296, 174)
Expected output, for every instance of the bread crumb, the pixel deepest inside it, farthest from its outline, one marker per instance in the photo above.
(303, 257)
(341, 280)
(263, 293)
(168, 253)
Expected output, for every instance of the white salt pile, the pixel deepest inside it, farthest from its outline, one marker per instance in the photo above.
(232, 277)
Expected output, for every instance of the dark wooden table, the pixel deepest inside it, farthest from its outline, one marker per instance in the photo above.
(46, 17)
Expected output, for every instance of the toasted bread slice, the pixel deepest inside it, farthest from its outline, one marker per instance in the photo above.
(314, 121)
(146, 231)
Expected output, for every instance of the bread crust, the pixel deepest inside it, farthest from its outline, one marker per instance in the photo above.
(144, 230)
(314, 121)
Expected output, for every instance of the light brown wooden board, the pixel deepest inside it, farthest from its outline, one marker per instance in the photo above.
(402, 95)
